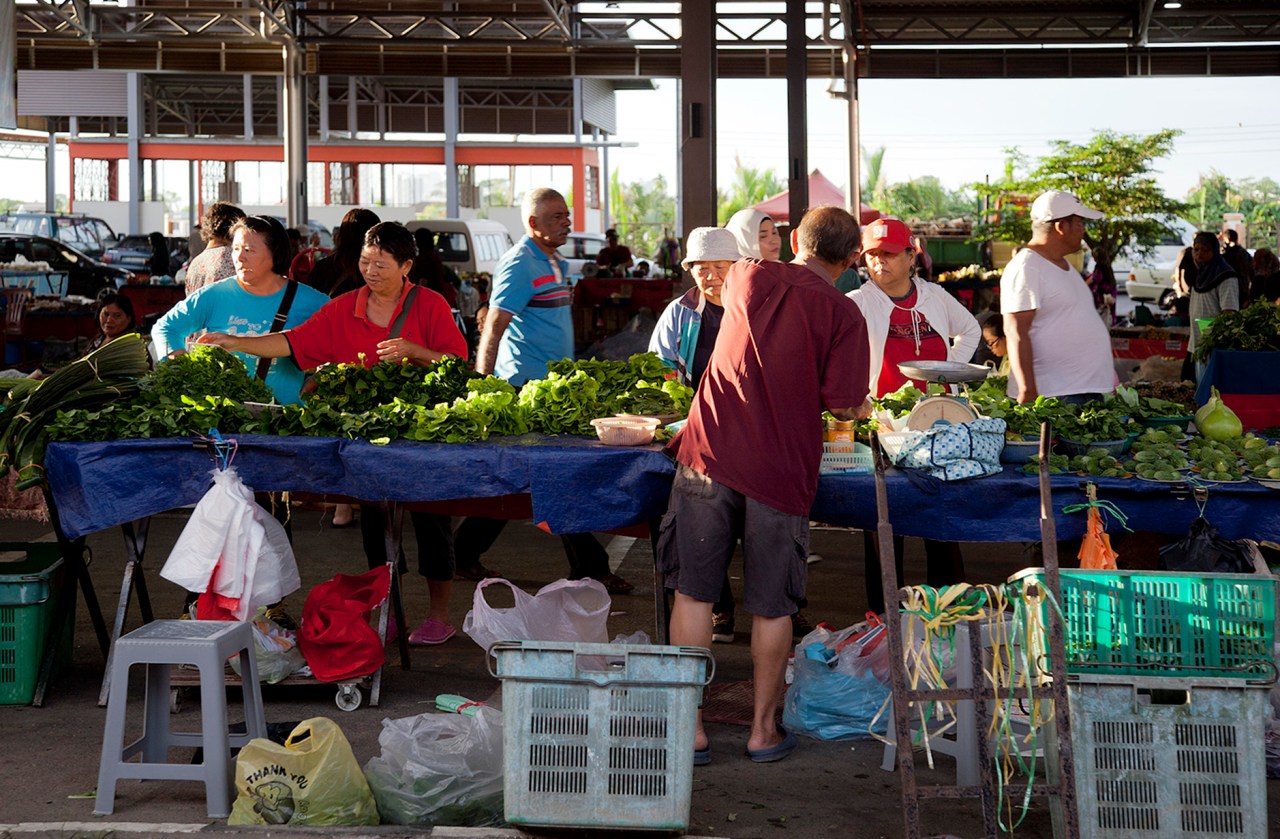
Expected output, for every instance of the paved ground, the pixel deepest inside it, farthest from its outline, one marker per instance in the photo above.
(50, 755)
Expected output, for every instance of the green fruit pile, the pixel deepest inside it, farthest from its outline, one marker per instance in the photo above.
(1216, 459)
(1157, 462)
(1263, 462)
(1098, 462)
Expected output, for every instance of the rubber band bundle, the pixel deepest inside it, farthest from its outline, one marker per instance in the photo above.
(1008, 620)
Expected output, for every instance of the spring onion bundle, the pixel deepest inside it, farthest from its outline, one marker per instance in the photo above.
(103, 376)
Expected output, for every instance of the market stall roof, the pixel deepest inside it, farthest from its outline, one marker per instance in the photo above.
(821, 191)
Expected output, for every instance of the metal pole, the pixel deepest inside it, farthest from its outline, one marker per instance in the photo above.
(295, 135)
(855, 136)
(451, 147)
(50, 172)
(248, 106)
(797, 127)
(135, 169)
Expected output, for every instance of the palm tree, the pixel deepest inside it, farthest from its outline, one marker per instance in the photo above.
(873, 184)
(750, 186)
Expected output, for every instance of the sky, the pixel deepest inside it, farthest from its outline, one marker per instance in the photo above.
(955, 130)
(958, 130)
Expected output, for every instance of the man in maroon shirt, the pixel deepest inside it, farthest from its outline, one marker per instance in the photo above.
(790, 345)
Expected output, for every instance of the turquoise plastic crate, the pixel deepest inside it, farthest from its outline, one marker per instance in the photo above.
(28, 594)
(599, 735)
(1148, 623)
(1162, 759)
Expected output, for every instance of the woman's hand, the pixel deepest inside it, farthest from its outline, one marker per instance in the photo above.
(220, 339)
(395, 349)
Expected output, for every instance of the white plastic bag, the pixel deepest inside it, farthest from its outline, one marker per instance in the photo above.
(232, 547)
(276, 650)
(439, 769)
(566, 610)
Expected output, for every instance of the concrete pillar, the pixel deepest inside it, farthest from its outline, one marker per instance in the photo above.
(697, 206)
(135, 135)
(450, 102)
(248, 106)
(324, 109)
(797, 129)
(351, 107)
(50, 173)
(295, 135)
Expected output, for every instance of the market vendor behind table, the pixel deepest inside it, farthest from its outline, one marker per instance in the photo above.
(246, 304)
(355, 327)
(1058, 346)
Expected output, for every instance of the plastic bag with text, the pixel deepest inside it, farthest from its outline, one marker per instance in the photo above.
(440, 769)
(566, 610)
(313, 779)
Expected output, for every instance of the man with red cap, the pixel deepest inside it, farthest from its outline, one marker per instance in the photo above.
(1058, 346)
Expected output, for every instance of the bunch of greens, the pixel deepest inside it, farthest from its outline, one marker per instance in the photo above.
(184, 396)
(28, 412)
(204, 370)
(1093, 424)
(1255, 329)
(640, 385)
(562, 404)
(1098, 462)
(901, 401)
(354, 388)
(1128, 401)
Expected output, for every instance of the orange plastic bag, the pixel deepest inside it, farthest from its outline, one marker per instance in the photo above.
(1096, 553)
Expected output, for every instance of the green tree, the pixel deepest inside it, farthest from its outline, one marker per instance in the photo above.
(1112, 173)
(642, 211)
(1257, 199)
(750, 186)
(925, 198)
(873, 185)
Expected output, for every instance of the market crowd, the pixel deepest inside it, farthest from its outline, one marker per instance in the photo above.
(766, 344)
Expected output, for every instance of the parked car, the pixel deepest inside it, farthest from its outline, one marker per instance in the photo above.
(1150, 277)
(86, 234)
(581, 250)
(86, 276)
(472, 245)
(134, 254)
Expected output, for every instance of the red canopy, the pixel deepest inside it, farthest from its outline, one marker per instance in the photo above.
(821, 191)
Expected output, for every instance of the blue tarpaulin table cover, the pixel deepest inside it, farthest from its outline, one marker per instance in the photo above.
(578, 485)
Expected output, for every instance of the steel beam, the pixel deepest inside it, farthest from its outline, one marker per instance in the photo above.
(698, 119)
(797, 109)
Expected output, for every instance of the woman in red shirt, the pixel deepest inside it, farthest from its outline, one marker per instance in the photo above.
(389, 319)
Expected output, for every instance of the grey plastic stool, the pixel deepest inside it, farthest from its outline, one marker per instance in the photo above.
(160, 645)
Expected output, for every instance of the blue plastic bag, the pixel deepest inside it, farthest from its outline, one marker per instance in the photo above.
(839, 688)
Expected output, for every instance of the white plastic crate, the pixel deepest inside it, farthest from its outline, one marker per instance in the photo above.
(845, 458)
(1168, 758)
(599, 735)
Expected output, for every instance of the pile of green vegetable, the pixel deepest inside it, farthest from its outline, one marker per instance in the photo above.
(1255, 329)
(443, 402)
(29, 407)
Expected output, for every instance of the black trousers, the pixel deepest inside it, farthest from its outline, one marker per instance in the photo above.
(433, 532)
(944, 566)
(476, 535)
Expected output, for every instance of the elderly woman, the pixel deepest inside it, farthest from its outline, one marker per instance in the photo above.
(389, 319)
(687, 330)
(908, 320)
(756, 234)
(257, 300)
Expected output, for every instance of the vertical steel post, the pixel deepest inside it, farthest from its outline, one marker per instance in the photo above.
(797, 108)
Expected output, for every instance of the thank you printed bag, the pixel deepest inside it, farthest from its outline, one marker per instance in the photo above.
(313, 779)
(956, 451)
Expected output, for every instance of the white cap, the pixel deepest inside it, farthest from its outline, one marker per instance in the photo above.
(709, 244)
(1056, 204)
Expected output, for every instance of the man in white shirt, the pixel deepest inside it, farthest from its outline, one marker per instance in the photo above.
(1057, 344)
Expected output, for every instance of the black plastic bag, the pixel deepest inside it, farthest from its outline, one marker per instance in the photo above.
(1202, 550)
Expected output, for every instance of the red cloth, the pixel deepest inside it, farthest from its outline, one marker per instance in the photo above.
(335, 637)
(900, 345)
(789, 346)
(341, 330)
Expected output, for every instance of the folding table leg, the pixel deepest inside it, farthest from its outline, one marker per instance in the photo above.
(135, 546)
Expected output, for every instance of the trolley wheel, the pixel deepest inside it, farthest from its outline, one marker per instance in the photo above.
(348, 697)
(175, 700)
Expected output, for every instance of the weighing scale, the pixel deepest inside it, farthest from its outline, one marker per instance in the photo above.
(933, 410)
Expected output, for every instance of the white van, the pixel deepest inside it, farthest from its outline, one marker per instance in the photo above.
(471, 245)
(1150, 277)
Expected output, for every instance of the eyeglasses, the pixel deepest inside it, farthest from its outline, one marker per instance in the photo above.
(992, 343)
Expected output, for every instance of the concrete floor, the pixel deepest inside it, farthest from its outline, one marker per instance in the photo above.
(50, 755)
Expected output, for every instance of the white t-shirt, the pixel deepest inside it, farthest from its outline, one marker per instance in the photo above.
(1070, 344)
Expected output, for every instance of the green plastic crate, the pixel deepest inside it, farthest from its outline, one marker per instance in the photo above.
(28, 593)
(599, 735)
(1149, 623)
